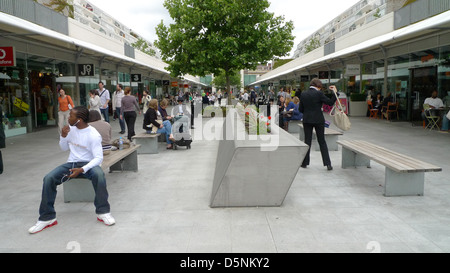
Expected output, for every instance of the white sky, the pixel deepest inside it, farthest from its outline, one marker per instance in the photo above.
(142, 16)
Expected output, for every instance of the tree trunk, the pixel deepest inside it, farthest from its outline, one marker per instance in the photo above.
(227, 75)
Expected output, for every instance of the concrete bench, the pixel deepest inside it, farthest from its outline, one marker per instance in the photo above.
(404, 175)
(148, 142)
(331, 137)
(293, 126)
(81, 189)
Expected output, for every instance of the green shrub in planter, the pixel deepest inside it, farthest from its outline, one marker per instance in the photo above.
(358, 97)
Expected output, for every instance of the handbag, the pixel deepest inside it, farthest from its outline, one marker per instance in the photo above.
(340, 119)
(448, 115)
(154, 128)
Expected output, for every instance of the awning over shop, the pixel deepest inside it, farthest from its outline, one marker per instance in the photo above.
(439, 22)
(25, 28)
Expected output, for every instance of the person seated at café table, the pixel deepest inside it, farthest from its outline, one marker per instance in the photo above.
(434, 102)
(386, 101)
(377, 102)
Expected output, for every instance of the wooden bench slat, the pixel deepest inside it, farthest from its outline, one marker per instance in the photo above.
(116, 156)
(396, 161)
(388, 158)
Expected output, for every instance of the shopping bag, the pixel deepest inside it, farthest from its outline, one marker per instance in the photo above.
(340, 119)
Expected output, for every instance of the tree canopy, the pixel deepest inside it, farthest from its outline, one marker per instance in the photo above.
(231, 35)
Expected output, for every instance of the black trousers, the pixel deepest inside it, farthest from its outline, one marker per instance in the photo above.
(1, 163)
(320, 134)
(130, 120)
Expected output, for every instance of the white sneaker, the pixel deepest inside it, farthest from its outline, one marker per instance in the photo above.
(41, 225)
(107, 219)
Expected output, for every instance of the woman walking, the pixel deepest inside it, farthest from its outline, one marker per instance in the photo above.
(128, 111)
(65, 104)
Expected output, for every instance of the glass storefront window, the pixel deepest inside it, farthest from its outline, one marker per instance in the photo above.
(444, 75)
(15, 98)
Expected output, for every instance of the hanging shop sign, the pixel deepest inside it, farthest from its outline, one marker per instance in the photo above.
(136, 77)
(86, 70)
(353, 70)
(7, 56)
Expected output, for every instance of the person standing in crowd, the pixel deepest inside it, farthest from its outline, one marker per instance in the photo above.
(128, 111)
(117, 105)
(65, 105)
(86, 156)
(146, 98)
(105, 97)
(94, 101)
(311, 102)
(2, 136)
(252, 96)
(103, 128)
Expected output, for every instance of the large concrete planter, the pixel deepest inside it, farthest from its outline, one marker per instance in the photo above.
(358, 108)
(254, 170)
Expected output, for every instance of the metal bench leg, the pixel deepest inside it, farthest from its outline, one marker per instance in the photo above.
(352, 159)
(403, 184)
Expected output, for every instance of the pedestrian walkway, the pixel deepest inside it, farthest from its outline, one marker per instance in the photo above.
(165, 206)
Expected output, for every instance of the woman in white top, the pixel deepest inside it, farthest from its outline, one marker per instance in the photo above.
(94, 101)
(146, 98)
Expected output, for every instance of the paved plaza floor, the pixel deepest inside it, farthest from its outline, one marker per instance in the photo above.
(164, 208)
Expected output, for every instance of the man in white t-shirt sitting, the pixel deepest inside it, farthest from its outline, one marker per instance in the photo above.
(434, 102)
(86, 155)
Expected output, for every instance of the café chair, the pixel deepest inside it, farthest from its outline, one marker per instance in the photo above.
(392, 107)
(431, 118)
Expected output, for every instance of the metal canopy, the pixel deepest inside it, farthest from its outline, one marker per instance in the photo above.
(21, 28)
(431, 25)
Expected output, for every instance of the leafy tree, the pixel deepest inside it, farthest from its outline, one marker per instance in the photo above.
(60, 6)
(232, 35)
(313, 44)
(281, 62)
(220, 80)
(143, 46)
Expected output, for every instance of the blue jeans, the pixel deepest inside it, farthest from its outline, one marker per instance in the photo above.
(167, 129)
(121, 121)
(105, 113)
(445, 122)
(53, 179)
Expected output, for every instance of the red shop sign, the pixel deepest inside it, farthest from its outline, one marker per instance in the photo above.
(7, 56)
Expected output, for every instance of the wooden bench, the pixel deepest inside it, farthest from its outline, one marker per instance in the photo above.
(404, 175)
(148, 142)
(331, 137)
(81, 189)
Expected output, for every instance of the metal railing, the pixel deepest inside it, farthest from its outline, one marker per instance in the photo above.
(36, 13)
(418, 11)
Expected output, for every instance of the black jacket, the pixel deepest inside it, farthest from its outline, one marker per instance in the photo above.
(2, 132)
(311, 102)
(150, 117)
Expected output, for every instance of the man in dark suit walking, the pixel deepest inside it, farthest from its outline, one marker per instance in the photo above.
(311, 102)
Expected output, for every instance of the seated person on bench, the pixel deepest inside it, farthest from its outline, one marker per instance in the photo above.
(292, 107)
(162, 109)
(103, 128)
(84, 144)
(181, 115)
(153, 118)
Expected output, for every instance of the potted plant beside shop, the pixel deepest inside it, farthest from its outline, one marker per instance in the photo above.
(358, 105)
